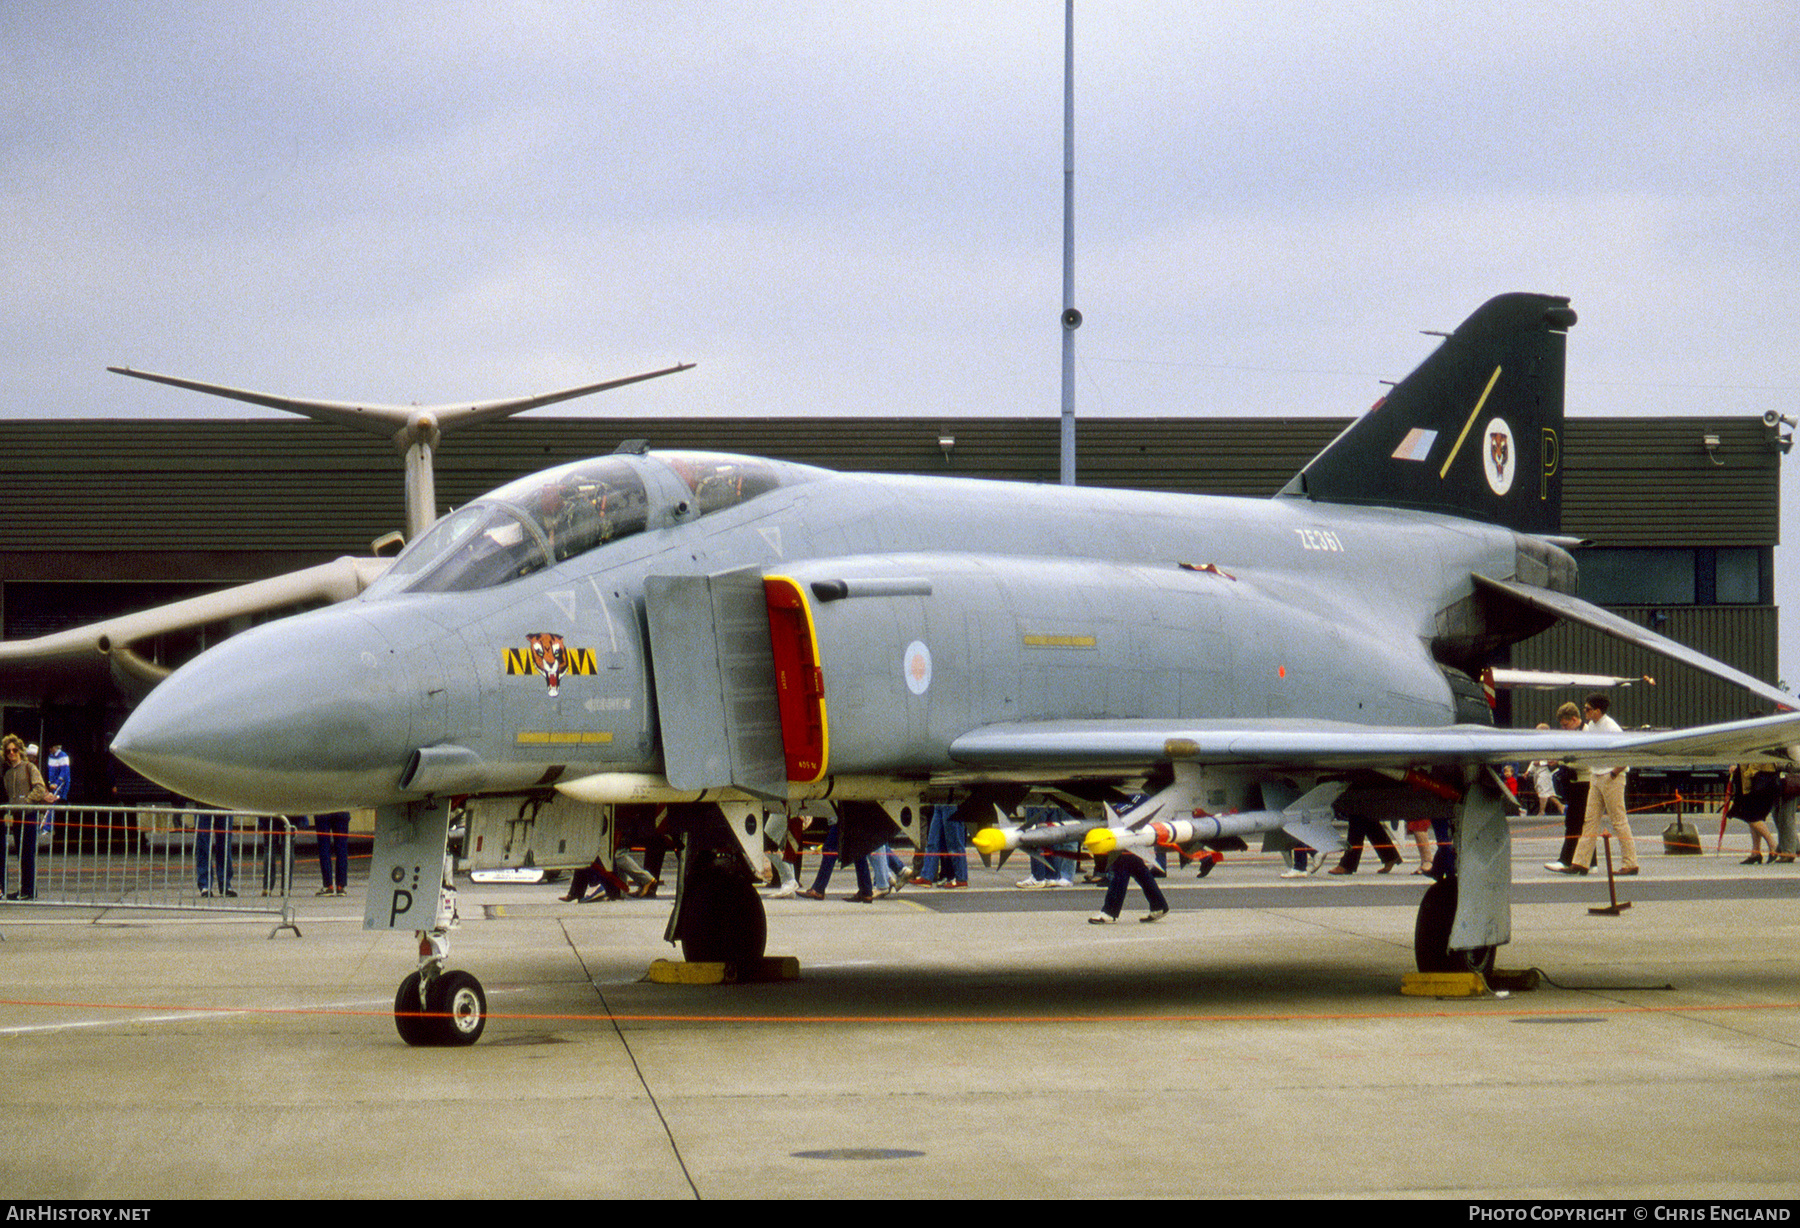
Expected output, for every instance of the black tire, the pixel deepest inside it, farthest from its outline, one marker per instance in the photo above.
(413, 1027)
(723, 918)
(1431, 935)
(458, 1009)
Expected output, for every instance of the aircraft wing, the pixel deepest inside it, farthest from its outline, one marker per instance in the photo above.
(387, 419)
(83, 656)
(1563, 605)
(1099, 745)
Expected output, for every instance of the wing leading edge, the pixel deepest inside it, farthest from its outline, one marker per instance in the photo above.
(1340, 746)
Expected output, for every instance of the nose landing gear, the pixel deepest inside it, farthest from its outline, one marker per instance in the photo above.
(435, 1008)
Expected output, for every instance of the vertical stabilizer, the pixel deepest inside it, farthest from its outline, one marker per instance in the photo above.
(1476, 430)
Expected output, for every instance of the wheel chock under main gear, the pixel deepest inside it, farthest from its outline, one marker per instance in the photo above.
(682, 972)
(1468, 984)
(1443, 985)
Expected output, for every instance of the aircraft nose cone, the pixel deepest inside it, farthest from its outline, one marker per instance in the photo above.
(308, 714)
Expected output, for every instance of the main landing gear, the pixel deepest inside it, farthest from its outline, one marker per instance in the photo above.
(719, 916)
(1431, 935)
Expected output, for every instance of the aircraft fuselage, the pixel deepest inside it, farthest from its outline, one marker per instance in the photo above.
(936, 606)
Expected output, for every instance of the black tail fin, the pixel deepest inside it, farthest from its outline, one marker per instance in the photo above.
(1475, 430)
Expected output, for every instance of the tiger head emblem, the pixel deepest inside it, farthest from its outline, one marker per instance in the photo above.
(550, 657)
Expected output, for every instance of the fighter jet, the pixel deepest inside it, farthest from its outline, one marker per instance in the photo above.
(721, 636)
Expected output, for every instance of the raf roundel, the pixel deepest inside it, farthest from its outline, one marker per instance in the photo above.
(1499, 456)
(916, 665)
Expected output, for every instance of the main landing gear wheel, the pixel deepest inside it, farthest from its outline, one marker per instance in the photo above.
(456, 1011)
(724, 920)
(1431, 935)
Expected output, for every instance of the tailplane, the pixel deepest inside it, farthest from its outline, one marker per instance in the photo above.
(1474, 431)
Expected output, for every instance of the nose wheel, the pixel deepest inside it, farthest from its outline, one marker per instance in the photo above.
(417, 889)
(451, 1010)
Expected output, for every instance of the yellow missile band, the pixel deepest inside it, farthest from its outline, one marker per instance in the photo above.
(1101, 841)
(1059, 641)
(989, 840)
(555, 738)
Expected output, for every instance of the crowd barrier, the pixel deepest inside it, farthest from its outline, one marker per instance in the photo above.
(155, 857)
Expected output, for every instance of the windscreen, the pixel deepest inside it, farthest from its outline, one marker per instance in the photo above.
(498, 546)
(526, 526)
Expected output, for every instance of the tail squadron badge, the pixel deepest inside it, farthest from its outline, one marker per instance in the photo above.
(1500, 462)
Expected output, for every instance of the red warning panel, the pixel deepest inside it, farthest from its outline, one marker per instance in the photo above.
(799, 682)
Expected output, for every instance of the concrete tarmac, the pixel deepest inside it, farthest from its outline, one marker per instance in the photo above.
(986, 1043)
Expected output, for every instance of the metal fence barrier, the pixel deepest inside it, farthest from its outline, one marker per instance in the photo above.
(192, 859)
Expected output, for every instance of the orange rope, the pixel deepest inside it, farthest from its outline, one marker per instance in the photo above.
(1506, 1012)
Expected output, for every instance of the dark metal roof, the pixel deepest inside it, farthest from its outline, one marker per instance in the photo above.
(1652, 482)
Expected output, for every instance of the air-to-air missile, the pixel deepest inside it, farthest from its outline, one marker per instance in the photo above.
(1307, 821)
(1006, 838)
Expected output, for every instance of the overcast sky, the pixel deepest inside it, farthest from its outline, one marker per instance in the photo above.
(856, 208)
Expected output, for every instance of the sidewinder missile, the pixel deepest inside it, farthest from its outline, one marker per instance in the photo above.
(1183, 832)
(991, 840)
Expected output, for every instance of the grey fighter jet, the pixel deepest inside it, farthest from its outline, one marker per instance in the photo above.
(720, 636)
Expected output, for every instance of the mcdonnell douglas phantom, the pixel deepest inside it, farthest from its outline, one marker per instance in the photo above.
(721, 636)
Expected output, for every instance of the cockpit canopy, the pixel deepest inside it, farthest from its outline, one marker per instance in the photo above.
(559, 513)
